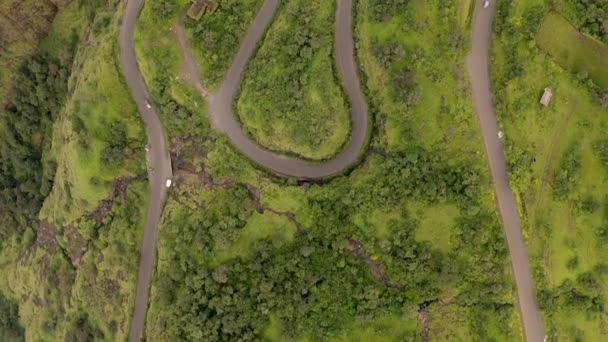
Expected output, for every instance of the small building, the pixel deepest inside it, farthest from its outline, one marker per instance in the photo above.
(199, 7)
(546, 98)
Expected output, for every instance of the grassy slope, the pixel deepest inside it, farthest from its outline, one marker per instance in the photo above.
(442, 120)
(97, 100)
(288, 103)
(99, 293)
(572, 49)
(557, 231)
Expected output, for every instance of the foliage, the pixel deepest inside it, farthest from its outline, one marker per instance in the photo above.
(10, 328)
(567, 177)
(600, 148)
(216, 37)
(25, 177)
(291, 99)
(114, 152)
(591, 16)
(381, 10)
(24, 24)
(164, 8)
(82, 330)
(554, 156)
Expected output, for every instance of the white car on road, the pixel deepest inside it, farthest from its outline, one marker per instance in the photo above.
(168, 182)
(486, 3)
(148, 105)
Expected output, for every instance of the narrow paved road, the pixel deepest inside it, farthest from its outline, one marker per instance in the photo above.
(159, 160)
(221, 101)
(220, 107)
(223, 118)
(482, 97)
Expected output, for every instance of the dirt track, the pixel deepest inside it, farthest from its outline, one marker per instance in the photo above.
(507, 206)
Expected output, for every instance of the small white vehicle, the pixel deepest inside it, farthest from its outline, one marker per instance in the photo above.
(147, 148)
(168, 182)
(486, 4)
(500, 135)
(148, 105)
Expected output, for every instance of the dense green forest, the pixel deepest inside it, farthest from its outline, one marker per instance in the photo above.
(26, 178)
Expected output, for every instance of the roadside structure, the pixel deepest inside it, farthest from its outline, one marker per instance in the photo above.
(546, 98)
(199, 7)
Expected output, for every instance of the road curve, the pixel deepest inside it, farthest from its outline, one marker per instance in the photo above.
(221, 101)
(478, 67)
(159, 160)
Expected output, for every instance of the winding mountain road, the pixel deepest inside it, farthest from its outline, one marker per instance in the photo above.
(220, 108)
(223, 119)
(159, 161)
(478, 65)
(221, 101)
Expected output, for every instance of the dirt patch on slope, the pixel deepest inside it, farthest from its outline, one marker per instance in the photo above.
(77, 245)
(377, 271)
(423, 321)
(121, 186)
(45, 237)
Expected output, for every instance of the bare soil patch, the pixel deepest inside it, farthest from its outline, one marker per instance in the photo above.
(355, 249)
(121, 186)
(77, 245)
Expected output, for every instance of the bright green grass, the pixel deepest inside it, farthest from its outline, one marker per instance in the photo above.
(465, 11)
(458, 331)
(98, 99)
(556, 232)
(572, 49)
(319, 125)
(384, 328)
(376, 223)
(572, 325)
(443, 118)
(277, 228)
(434, 223)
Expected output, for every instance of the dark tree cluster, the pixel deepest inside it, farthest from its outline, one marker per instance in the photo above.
(568, 175)
(220, 34)
(10, 329)
(383, 10)
(117, 140)
(25, 178)
(585, 293)
(591, 16)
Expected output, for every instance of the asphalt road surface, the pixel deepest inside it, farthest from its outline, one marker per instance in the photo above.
(221, 101)
(159, 161)
(482, 97)
(220, 108)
